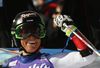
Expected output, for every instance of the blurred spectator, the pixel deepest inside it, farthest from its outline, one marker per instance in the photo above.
(38, 4)
(55, 37)
(58, 10)
(45, 8)
(51, 0)
(53, 40)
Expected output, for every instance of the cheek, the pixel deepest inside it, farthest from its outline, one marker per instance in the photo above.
(23, 43)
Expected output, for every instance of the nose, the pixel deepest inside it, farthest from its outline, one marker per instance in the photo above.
(32, 37)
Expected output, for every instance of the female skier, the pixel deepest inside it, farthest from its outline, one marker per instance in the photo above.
(28, 27)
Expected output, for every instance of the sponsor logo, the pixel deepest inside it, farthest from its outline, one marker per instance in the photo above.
(41, 66)
(13, 63)
(27, 15)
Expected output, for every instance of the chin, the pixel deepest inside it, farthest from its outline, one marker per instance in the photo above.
(30, 50)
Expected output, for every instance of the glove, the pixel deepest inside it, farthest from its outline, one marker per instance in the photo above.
(61, 19)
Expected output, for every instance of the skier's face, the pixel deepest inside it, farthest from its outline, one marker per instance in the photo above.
(31, 44)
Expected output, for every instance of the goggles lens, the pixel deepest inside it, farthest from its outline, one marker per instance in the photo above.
(23, 31)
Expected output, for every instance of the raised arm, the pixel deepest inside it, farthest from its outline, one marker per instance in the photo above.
(85, 55)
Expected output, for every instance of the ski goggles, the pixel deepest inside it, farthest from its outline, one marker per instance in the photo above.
(23, 31)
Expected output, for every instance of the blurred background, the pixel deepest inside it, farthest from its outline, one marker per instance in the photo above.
(85, 14)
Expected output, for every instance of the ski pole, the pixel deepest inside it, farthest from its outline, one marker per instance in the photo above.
(91, 47)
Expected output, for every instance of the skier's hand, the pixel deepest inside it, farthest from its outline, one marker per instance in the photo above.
(61, 19)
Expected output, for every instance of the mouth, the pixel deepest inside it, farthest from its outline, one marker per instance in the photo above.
(31, 42)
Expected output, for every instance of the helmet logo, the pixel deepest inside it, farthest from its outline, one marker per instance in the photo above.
(29, 20)
(27, 15)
